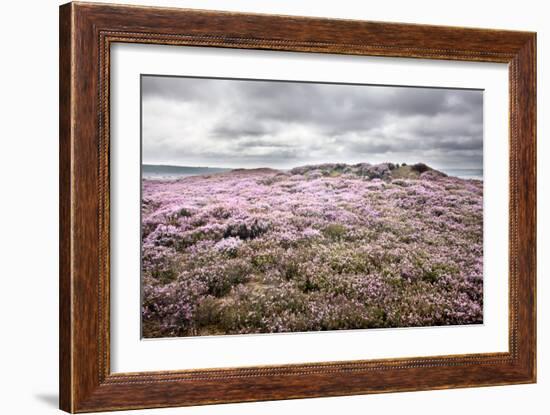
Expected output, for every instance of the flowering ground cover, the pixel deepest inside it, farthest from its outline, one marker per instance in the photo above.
(323, 247)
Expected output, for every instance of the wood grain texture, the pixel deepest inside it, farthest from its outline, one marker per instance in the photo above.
(65, 247)
(86, 33)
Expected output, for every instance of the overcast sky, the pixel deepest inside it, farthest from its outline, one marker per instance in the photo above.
(241, 123)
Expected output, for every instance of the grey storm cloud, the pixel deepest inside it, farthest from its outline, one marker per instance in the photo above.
(249, 123)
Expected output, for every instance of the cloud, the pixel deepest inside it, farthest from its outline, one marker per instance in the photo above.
(245, 123)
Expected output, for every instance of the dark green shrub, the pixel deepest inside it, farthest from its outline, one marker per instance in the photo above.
(335, 231)
(420, 167)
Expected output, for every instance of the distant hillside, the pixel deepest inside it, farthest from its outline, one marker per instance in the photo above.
(165, 170)
(371, 171)
(384, 171)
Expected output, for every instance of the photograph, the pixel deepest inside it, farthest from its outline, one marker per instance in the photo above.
(272, 206)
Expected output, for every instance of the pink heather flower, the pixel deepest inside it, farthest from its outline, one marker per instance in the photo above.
(228, 245)
(311, 233)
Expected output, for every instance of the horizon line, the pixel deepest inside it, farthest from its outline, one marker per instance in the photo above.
(301, 165)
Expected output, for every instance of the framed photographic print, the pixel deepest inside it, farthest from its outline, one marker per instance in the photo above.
(258, 207)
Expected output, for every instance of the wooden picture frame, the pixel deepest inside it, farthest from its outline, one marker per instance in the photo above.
(86, 33)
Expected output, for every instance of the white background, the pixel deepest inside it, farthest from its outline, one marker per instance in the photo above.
(130, 354)
(28, 208)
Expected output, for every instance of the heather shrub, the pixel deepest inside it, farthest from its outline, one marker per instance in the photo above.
(249, 229)
(207, 313)
(334, 231)
(160, 262)
(229, 246)
(420, 167)
(222, 276)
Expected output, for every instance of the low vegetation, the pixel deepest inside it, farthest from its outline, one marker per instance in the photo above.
(324, 247)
